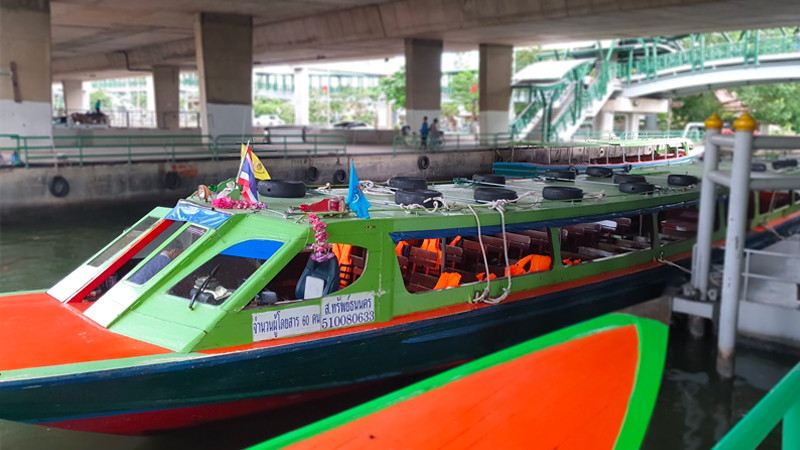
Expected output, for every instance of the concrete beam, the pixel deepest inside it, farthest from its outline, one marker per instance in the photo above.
(636, 105)
(167, 91)
(25, 97)
(495, 87)
(423, 81)
(225, 70)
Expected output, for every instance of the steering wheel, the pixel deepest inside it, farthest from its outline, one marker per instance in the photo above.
(203, 286)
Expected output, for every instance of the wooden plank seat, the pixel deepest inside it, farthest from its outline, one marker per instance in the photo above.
(420, 282)
(403, 262)
(634, 244)
(518, 244)
(677, 227)
(614, 248)
(423, 260)
(593, 252)
(453, 256)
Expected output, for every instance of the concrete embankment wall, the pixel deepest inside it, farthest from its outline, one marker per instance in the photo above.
(26, 192)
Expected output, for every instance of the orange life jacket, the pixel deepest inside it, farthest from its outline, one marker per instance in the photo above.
(399, 247)
(434, 245)
(448, 280)
(482, 275)
(538, 263)
(570, 262)
(342, 252)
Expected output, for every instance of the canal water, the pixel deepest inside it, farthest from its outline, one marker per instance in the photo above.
(694, 408)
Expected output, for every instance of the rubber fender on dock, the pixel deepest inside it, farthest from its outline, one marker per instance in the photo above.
(408, 183)
(784, 163)
(560, 175)
(492, 194)
(282, 188)
(59, 186)
(628, 178)
(636, 188)
(489, 178)
(339, 177)
(312, 173)
(423, 162)
(599, 172)
(682, 180)
(422, 197)
(562, 193)
(172, 180)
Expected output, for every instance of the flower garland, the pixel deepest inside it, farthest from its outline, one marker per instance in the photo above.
(229, 203)
(322, 248)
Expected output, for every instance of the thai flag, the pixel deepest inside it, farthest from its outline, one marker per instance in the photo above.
(247, 178)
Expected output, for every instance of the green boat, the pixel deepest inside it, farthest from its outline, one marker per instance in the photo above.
(535, 395)
(198, 313)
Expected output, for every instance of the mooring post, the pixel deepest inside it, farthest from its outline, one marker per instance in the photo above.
(734, 243)
(708, 200)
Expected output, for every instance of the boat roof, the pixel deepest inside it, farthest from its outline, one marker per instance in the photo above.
(597, 192)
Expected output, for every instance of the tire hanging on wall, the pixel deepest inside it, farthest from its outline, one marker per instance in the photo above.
(423, 162)
(562, 193)
(312, 173)
(172, 180)
(59, 186)
(339, 177)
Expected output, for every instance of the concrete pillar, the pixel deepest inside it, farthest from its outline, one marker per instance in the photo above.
(423, 81)
(25, 99)
(651, 122)
(73, 96)
(603, 124)
(495, 87)
(633, 125)
(301, 96)
(224, 45)
(167, 92)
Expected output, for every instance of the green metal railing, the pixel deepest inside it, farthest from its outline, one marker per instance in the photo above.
(449, 142)
(782, 403)
(129, 148)
(229, 145)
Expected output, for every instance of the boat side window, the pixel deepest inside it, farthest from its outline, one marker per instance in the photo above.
(304, 278)
(166, 255)
(129, 236)
(435, 264)
(677, 224)
(590, 241)
(228, 271)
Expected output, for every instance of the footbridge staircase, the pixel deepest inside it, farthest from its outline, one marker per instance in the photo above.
(554, 97)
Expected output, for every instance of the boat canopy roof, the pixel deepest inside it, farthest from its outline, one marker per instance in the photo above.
(547, 72)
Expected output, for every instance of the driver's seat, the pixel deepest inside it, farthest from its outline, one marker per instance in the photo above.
(327, 271)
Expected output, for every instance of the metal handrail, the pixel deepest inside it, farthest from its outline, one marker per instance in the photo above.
(782, 403)
(449, 142)
(268, 145)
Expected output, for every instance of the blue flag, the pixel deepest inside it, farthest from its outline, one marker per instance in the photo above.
(355, 198)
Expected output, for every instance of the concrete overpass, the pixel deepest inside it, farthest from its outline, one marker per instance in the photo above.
(223, 39)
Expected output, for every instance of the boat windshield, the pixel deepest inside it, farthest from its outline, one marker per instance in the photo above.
(231, 268)
(166, 255)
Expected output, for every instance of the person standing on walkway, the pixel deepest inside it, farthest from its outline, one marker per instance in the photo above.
(424, 132)
(433, 132)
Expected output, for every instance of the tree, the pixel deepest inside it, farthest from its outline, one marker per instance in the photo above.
(394, 88)
(464, 90)
(524, 57)
(274, 106)
(449, 113)
(774, 103)
(696, 108)
(105, 99)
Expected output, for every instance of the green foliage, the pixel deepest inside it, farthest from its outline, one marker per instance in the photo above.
(449, 113)
(773, 103)
(524, 57)
(105, 100)
(696, 108)
(461, 91)
(274, 106)
(394, 88)
(344, 103)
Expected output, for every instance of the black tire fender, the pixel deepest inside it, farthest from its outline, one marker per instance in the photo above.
(628, 178)
(682, 180)
(492, 194)
(784, 163)
(312, 173)
(59, 186)
(282, 188)
(423, 162)
(636, 188)
(562, 193)
(559, 175)
(172, 180)
(489, 178)
(339, 177)
(409, 183)
(599, 172)
(404, 197)
(758, 167)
